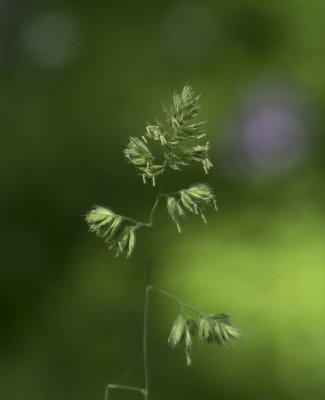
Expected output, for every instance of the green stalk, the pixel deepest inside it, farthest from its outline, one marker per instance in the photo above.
(147, 300)
(145, 345)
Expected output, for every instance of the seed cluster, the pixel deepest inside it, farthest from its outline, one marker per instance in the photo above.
(211, 329)
(191, 200)
(179, 130)
(113, 229)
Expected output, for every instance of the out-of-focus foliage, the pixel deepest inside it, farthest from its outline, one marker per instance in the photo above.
(77, 80)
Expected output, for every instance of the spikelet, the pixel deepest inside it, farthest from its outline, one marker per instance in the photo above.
(217, 329)
(184, 108)
(191, 200)
(109, 226)
(137, 152)
(175, 211)
(197, 153)
(177, 332)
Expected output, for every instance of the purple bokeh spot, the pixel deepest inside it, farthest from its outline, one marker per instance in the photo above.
(268, 133)
(271, 135)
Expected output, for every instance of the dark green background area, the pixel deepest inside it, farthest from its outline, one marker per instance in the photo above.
(71, 313)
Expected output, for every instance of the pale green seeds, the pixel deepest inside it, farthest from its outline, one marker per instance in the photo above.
(194, 131)
(175, 211)
(202, 193)
(191, 328)
(183, 329)
(234, 333)
(205, 331)
(194, 199)
(188, 345)
(198, 153)
(127, 241)
(178, 331)
(111, 227)
(179, 129)
(172, 208)
(137, 152)
(188, 203)
(178, 144)
(131, 243)
(156, 132)
(218, 334)
(192, 325)
(185, 107)
(217, 329)
(103, 222)
(212, 329)
(98, 214)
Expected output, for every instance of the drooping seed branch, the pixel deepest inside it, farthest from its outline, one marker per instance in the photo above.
(180, 304)
(211, 328)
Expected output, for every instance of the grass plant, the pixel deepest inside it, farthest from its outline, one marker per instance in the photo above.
(180, 140)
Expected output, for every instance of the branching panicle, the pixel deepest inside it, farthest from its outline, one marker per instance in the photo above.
(178, 142)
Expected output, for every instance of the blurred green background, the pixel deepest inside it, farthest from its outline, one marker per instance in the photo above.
(76, 79)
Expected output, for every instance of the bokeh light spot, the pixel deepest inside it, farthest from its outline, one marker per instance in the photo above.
(268, 134)
(51, 40)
